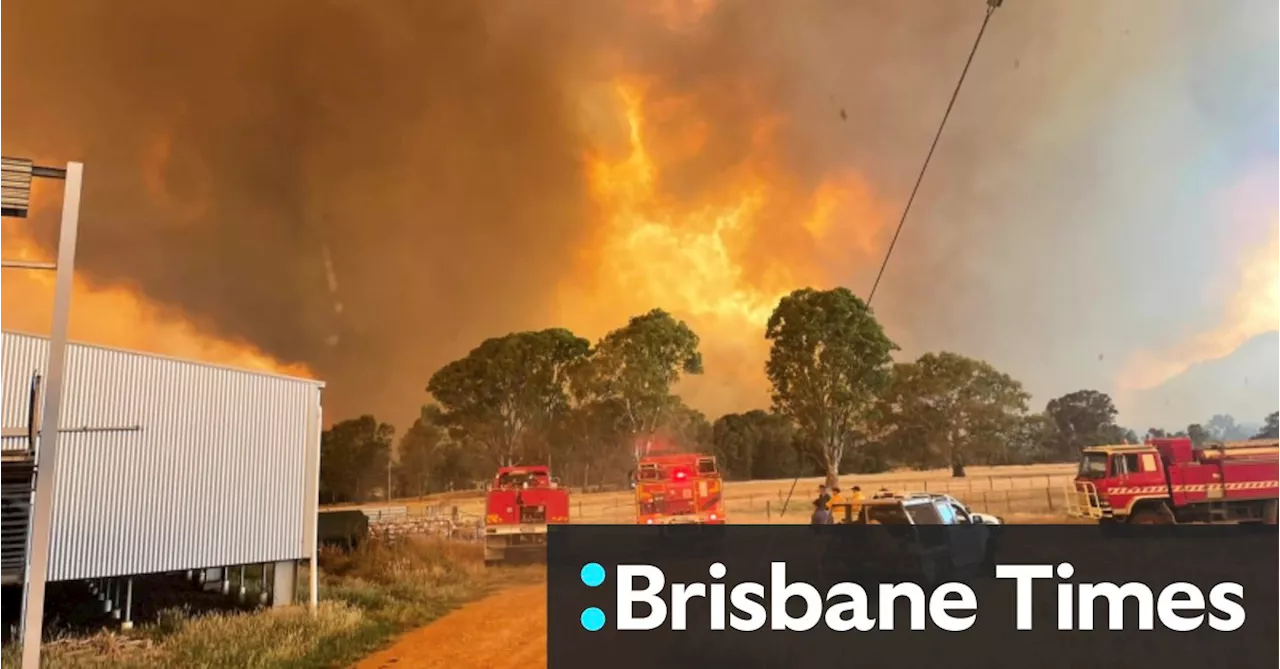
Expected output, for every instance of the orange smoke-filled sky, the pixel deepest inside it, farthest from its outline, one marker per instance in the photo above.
(710, 258)
(365, 191)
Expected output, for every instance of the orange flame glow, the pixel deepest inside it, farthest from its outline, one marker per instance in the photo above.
(1253, 309)
(720, 260)
(115, 316)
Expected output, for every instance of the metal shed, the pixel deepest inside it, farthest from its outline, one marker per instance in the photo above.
(164, 465)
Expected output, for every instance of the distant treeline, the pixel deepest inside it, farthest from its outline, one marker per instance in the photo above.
(839, 404)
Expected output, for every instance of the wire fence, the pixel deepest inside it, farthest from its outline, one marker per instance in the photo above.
(755, 502)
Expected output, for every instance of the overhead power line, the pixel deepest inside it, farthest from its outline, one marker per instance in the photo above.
(992, 5)
(991, 8)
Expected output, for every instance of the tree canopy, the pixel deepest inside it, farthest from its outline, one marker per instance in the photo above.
(1085, 418)
(756, 445)
(839, 403)
(507, 387)
(946, 407)
(1223, 427)
(354, 459)
(1270, 427)
(828, 361)
(635, 367)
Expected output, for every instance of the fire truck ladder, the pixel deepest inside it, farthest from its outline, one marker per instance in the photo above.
(1219, 511)
(1083, 500)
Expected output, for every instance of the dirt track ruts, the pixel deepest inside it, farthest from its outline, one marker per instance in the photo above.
(507, 629)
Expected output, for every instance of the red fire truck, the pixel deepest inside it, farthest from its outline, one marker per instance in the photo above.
(520, 503)
(682, 488)
(1167, 481)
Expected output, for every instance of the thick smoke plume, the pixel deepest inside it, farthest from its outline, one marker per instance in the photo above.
(371, 188)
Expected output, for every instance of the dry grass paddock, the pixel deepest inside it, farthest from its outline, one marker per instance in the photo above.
(385, 588)
(366, 597)
(1027, 490)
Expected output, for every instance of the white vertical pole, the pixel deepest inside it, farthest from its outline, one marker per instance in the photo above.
(313, 571)
(47, 450)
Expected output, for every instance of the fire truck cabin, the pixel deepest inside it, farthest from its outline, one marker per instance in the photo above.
(519, 505)
(1169, 480)
(684, 488)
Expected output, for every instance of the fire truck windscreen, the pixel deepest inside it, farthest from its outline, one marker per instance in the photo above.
(653, 473)
(520, 480)
(1093, 465)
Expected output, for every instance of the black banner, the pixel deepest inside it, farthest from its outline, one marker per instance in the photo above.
(969, 596)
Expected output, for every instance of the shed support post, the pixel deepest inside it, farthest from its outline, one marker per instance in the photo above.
(211, 579)
(263, 586)
(284, 576)
(128, 605)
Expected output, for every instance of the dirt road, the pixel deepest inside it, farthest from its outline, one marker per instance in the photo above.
(505, 630)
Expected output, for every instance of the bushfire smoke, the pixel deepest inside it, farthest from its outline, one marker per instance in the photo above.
(368, 190)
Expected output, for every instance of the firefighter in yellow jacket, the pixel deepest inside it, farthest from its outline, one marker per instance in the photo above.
(836, 498)
(855, 501)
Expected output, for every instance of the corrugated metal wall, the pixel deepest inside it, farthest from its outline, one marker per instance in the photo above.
(218, 472)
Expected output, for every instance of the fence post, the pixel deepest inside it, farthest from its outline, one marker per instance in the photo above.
(1048, 495)
(1008, 503)
(985, 506)
(768, 510)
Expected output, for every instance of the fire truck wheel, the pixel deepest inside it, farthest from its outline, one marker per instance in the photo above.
(1156, 514)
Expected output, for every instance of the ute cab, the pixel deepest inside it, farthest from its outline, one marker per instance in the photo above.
(1168, 480)
(684, 488)
(520, 503)
(922, 538)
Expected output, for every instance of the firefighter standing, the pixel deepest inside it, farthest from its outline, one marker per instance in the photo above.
(821, 514)
(855, 501)
(836, 498)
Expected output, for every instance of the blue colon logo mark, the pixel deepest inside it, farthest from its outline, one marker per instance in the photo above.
(592, 576)
(592, 619)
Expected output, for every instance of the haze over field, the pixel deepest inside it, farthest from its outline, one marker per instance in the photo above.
(365, 191)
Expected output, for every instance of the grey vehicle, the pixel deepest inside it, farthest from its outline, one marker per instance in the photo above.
(917, 537)
(961, 509)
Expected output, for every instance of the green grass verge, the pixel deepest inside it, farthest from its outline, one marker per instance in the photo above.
(367, 597)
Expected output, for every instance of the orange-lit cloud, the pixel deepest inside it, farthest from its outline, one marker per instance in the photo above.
(183, 199)
(680, 14)
(720, 172)
(720, 258)
(1252, 309)
(114, 315)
